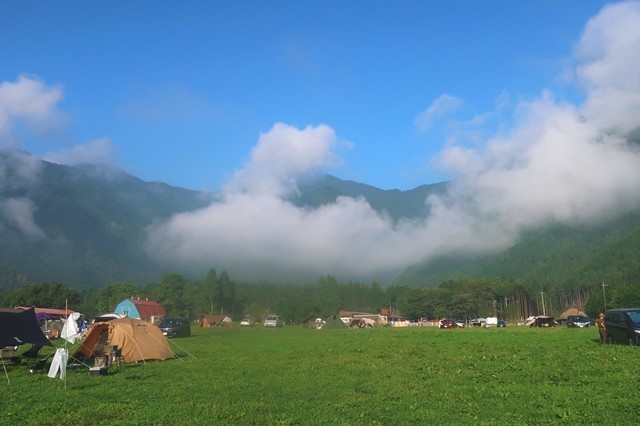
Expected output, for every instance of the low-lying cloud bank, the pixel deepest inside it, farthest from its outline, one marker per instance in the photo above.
(560, 162)
(26, 101)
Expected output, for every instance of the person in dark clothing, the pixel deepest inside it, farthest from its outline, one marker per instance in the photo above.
(602, 328)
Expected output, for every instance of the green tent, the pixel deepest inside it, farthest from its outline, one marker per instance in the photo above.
(333, 321)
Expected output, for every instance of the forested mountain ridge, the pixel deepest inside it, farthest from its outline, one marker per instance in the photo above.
(565, 262)
(397, 204)
(86, 226)
(83, 225)
(556, 256)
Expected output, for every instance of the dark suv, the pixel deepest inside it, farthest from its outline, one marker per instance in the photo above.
(175, 327)
(579, 321)
(623, 326)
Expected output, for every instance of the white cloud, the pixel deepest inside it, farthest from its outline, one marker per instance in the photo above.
(18, 173)
(17, 170)
(440, 107)
(19, 212)
(98, 151)
(25, 99)
(559, 162)
(503, 100)
(608, 51)
(31, 102)
(283, 155)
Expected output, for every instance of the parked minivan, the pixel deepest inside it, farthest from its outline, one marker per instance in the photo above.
(623, 326)
(175, 327)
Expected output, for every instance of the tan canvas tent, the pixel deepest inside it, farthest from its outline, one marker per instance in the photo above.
(572, 311)
(214, 320)
(137, 340)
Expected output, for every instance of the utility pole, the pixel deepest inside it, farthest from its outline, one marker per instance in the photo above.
(506, 308)
(544, 311)
(604, 295)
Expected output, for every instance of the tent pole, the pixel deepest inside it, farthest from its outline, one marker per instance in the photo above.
(5, 369)
(66, 354)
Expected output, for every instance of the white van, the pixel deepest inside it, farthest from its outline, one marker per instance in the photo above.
(272, 321)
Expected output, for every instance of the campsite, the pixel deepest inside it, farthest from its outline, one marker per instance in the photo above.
(296, 375)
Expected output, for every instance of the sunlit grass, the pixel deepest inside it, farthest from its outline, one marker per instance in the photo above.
(292, 375)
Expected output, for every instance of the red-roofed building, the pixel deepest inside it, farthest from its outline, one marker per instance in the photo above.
(146, 310)
(391, 316)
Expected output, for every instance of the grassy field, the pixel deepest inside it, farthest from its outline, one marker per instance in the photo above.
(381, 376)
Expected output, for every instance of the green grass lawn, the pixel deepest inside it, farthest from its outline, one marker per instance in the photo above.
(384, 376)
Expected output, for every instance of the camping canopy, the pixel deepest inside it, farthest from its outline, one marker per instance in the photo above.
(18, 327)
(541, 321)
(48, 314)
(137, 340)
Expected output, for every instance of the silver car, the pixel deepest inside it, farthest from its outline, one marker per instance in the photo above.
(247, 322)
(272, 321)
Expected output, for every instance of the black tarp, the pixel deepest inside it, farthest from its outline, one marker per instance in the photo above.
(21, 327)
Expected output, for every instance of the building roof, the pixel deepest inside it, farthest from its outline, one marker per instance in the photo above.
(48, 313)
(214, 319)
(345, 313)
(148, 308)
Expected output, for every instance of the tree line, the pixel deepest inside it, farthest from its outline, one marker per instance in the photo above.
(296, 303)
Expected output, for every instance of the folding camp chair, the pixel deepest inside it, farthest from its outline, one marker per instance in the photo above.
(36, 362)
(8, 353)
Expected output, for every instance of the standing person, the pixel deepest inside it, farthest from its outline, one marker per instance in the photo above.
(602, 328)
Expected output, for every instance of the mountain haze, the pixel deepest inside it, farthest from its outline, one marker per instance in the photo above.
(397, 204)
(551, 257)
(84, 225)
(87, 226)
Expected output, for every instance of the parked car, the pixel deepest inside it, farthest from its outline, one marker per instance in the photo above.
(175, 327)
(459, 323)
(579, 321)
(623, 326)
(501, 323)
(478, 322)
(447, 323)
(247, 322)
(272, 321)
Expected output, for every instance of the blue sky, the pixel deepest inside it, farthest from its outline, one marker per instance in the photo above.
(180, 92)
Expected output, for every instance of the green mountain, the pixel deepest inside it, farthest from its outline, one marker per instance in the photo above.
(558, 256)
(86, 226)
(397, 204)
(83, 226)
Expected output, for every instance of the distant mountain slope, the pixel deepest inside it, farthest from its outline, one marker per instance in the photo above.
(91, 221)
(397, 204)
(559, 256)
(86, 226)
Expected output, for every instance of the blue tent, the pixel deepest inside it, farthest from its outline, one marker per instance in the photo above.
(146, 310)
